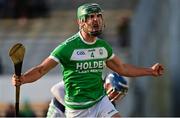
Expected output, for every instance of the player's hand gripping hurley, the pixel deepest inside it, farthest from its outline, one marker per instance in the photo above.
(16, 54)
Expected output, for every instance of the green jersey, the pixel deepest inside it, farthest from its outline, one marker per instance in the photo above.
(82, 64)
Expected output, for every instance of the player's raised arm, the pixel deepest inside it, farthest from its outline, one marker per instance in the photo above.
(35, 73)
(132, 71)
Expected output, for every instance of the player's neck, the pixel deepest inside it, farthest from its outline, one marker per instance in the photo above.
(87, 37)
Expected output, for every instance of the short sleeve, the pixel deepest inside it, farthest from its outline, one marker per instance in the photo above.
(109, 50)
(56, 54)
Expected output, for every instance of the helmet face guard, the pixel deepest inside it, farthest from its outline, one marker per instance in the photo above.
(83, 13)
(116, 86)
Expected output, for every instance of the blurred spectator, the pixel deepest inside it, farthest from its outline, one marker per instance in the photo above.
(124, 32)
(10, 112)
(27, 111)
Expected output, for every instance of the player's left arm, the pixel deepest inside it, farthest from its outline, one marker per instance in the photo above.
(124, 69)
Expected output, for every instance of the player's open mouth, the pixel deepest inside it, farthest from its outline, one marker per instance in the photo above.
(96, 27)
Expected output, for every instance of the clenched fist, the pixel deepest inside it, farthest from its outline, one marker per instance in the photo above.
(16, 81)
(158, 69)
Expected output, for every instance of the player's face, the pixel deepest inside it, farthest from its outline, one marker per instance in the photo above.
(93, 23)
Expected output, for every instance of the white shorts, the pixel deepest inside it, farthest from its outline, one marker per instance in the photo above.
(58, 92)
(103, 108)
(53, 111)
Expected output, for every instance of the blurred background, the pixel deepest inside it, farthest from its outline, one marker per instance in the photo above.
(141, 32)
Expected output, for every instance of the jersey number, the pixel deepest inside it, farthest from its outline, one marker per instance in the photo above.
(92, 54)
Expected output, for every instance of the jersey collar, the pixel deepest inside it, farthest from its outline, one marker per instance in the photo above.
(89, 43)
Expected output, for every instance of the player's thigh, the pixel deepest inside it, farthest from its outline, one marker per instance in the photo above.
(53, 111)
(106, 108)
(71, 113)
(117, 115)
(58, 92)
(103, 108)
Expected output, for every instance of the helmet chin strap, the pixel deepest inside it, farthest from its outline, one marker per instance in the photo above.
(96, 33)
(99, 32)
(93, 33)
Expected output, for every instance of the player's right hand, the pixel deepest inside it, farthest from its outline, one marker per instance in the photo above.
(16, 81)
